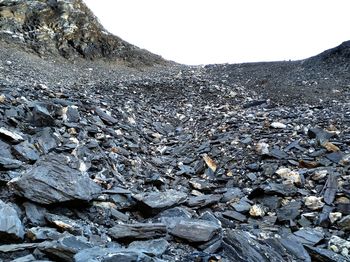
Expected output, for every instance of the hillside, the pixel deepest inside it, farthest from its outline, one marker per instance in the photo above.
(110, 153)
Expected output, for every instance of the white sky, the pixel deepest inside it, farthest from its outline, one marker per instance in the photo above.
(227, 31)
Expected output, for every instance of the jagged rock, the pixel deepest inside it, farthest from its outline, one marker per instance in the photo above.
(11, 136)
(8, 163)
(11, 228)
(42, 233)
(96, 254)
(155, 247)
(65, 247)
(309, 236)
(137, 231)
(26, 152)
(153, 203)
(64, 223)
(54, 182)
(242, 246)
(195, 230)
(35, 213)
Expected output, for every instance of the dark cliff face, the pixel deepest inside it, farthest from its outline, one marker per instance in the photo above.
(67, 28)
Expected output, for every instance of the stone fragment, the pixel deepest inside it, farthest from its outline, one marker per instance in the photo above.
(320, 254)
(344, 223)
(12, 136)
(41, 116)
(334, 217)
(17, 247)
(154, 247)
(137, 231)
(195, 230)
(65, 247)
(235, 215)
(289, 175)
(210, 162)
(289, 212)
(26, 152)
(54, 182)
(97, 254)
(278, 125)
(262, 148)
(11, 228)
(8, 163)
(43, 233)
(331, 188)
(35, 214)
(313, 202)
(203, 200)
(309, 236)
(108, 119)
(154, 202)
(242, 246)
(340, 246)
(330, 147)
(257, 211)
(64, 223)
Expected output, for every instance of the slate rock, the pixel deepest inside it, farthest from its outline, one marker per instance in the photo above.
(195, 231)
(11, 136)
(344, 223)
(41, 116)
(17, 247)
(309, 236)
(137, 231)
(203, 200)
(5, 150)
(234, 215)
(295, 248)
(26, 152)
(43, 233)
(11, 228)
(35, 213)
(71, 114)
(289, 211)
(242, 246)
(324, 255)
(321, 135)
(154, 247)
(154, 202)
(65, 247)
(108, 119)
(331, 188)
(64, 223)
(9, 164)
(98, 254)
(54, 182)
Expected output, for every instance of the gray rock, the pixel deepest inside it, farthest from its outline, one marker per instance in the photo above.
(324, 255)
(98, 254)
(51, 181)
(11, 228)
(344, 223)
(41, 116)
(12, 136)
(8, 163)
(64, 248)
(43, 233)
(35, 213)
(64, 223)
(105, 117)
(242, 246)
(154, 247)
(26, 152)
(137, 231)
(153, 203)
(309, 236)
(195, 230)
(17, 247)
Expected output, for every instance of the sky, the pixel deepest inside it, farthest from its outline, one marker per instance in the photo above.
(227, 31)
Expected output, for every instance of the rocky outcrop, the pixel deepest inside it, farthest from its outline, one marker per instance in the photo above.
(66, 28)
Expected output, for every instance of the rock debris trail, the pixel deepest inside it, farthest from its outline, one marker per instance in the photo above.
(104, 162)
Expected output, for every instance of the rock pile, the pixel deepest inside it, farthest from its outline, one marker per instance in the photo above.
(176, 163)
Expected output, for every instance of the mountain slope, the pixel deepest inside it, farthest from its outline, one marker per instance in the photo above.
(66, 28)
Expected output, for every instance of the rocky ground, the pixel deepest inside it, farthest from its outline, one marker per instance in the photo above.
(105, 162)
